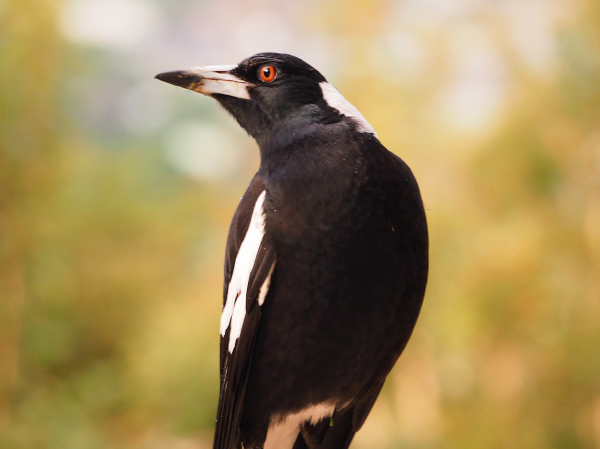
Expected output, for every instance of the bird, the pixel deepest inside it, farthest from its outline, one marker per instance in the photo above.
(326, 261)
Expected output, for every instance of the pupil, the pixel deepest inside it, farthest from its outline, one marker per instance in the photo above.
(267, 72)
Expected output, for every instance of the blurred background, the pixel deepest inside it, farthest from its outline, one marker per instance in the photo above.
(116, 193)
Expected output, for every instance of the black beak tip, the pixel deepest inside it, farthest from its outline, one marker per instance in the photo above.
(181, 78)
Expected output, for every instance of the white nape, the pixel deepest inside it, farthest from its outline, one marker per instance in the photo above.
(282, 433)
(234, 311)
(337, 101)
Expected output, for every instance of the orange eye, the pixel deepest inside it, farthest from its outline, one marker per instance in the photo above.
(267, 73)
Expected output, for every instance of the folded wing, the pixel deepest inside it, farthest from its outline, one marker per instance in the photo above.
(249, 265)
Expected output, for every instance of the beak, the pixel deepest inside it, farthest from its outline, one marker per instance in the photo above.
(208, 80)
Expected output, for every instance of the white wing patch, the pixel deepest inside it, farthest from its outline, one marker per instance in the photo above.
(337, 101)
(234, 311)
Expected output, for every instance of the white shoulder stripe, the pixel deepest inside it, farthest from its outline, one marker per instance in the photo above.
(337, 101)
(264, 289)
(234, 311)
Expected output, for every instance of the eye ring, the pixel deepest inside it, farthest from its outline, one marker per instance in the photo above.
(267, 73)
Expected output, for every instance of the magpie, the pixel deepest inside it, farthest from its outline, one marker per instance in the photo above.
(326, 261)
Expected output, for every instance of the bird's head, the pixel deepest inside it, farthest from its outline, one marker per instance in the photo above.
(271, 93)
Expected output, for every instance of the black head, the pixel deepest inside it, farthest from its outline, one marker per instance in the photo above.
(271, 93)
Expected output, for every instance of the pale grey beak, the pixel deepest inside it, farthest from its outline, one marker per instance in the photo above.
(208, 81)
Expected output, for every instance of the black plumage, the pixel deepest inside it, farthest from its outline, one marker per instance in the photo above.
(330, 246)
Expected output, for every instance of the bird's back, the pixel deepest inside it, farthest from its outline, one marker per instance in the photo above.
(348, 227)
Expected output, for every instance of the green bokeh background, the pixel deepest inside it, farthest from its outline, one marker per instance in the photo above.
(111, 254)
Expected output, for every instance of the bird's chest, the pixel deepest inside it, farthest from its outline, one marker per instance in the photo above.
(314, 203)
(307, 211)
(325, 233)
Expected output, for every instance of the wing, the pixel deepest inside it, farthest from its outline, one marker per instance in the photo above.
(249, 264)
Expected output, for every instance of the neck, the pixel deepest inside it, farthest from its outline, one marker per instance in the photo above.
(306, 122)
(303, 143)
